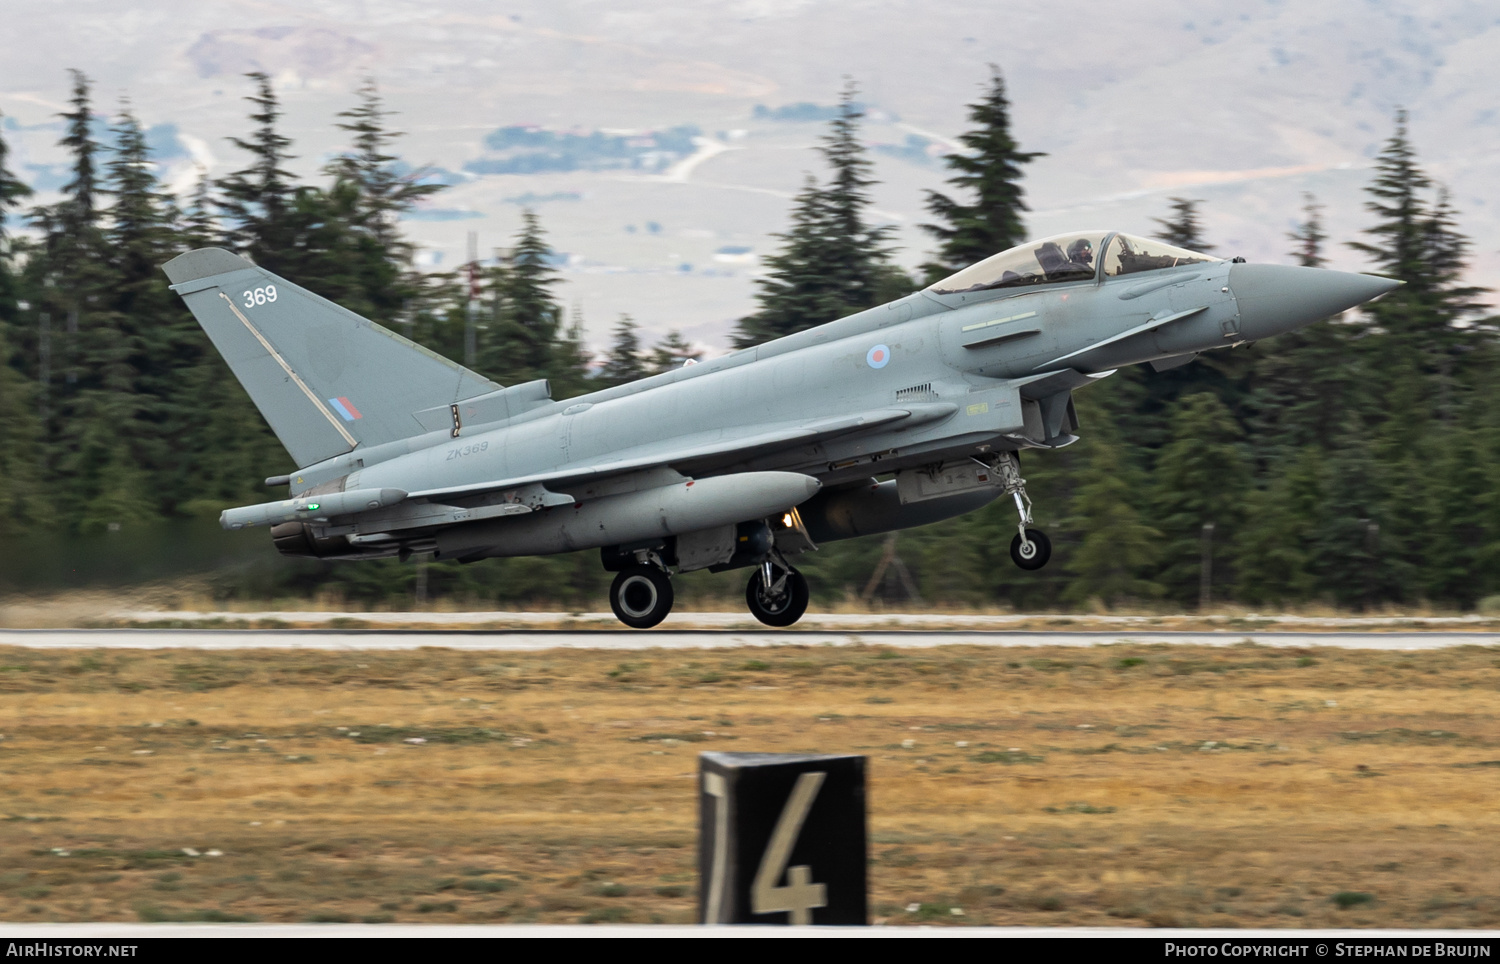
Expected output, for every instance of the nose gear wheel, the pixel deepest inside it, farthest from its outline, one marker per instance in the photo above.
(1030, 548)
(1031, 552)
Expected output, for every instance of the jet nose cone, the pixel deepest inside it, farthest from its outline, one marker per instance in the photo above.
(1274, 298)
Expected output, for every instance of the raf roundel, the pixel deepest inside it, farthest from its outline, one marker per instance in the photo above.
(878, 357)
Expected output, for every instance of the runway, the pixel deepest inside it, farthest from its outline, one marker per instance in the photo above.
(531, 640)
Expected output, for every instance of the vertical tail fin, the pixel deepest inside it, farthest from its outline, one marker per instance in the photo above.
(325, 379)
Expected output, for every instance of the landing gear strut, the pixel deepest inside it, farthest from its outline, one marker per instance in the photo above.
(1030, 548)
(641, 596)
(777, 593)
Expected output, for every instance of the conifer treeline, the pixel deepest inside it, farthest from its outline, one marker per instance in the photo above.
(1352, 462)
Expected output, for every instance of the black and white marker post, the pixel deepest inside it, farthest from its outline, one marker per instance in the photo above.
(782, 839)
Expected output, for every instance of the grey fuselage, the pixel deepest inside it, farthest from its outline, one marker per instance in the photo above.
(935, 377)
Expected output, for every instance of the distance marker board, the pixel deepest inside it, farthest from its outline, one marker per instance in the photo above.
(782, 839)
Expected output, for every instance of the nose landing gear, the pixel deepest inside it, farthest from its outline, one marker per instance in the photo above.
(1029, 548)
(777, 593)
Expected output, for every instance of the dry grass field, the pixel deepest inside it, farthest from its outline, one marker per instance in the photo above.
(1134, 785)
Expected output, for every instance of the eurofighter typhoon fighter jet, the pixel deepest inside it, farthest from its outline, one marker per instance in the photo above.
(746, 460)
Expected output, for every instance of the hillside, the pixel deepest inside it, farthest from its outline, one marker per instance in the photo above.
(1133, 103)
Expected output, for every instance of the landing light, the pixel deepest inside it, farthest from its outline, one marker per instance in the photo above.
(786, 520)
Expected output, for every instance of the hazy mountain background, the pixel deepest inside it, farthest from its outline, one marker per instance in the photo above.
(670, 143)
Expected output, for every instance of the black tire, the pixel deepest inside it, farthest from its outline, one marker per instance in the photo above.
(1041, 550)
(641, 596)
(782, 611)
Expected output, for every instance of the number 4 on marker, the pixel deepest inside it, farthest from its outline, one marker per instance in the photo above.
(800, 895)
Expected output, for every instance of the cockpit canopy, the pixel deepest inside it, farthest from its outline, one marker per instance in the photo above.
(1067, 257)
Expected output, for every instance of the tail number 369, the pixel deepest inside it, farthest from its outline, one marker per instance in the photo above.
(259, 296)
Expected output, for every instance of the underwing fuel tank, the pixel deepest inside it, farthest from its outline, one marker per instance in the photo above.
(652, 513)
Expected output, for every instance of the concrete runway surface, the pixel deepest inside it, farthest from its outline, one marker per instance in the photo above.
(624, 639)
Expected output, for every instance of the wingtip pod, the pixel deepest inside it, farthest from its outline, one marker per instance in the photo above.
(309, 507)
(203, 263)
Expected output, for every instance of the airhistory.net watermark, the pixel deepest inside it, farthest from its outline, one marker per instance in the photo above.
(67, 949)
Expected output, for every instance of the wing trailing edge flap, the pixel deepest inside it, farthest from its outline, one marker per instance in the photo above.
(683, 453)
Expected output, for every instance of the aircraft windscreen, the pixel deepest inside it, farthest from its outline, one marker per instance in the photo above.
(1128, 255)
(1066, 257)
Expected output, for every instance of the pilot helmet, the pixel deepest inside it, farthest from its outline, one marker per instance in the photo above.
(1081, 251)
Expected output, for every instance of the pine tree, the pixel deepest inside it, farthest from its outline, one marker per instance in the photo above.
(199, 223)
(1421, 327)
(1273, 554)
(383, 192)
(623, 363)
(1298, 377)
(1446, 252)
(1350, 536)
(143, 321)
(67, 277)
(1453, 302)
(989, 172)
(435, 316)
(832, 262)
(1118, 549)
(115, 431)
(853, 245)
(12, 192)
(257, 201)
(1391, 436)
(1457, 483)
(798, 290)
(527, 320)
(1399, 248)
(327, 253)
(1182, 227)
(1405, 318)
(1199, 479)
(80, 210)
(21, 508)
(1309, 236)
(569, 368)
(669, 353)
(1485, 507)
(71, 243)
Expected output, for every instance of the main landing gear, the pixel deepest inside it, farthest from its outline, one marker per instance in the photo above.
(1029, 548)
(777, 593)
(641, 596)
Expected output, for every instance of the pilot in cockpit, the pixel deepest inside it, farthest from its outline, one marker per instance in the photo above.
(1081, 253)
